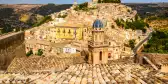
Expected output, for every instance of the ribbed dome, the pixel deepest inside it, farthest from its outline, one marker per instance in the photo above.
(98, 24)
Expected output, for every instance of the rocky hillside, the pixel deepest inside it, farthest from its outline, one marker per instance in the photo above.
(105, 11)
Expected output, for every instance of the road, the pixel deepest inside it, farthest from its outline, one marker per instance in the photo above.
(140, 44)
(143, 41)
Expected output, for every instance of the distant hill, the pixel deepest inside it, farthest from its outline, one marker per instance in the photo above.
(156, 14)
(18, 15)
(148, 9)
(49, 9)
(21, 7)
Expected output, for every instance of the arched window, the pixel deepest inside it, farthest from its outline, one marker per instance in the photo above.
(100, 56)
(109, 43)
(69, 32)
(109, 55)
(64, 31)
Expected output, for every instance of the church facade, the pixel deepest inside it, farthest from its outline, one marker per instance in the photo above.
(101, 47)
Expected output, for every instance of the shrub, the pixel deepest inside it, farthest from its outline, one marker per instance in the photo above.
(62, 16)
(134, 25)
(132, 43)
(158, 43)
(83, 7)
(29, 53)
(40, 52)
(46, 19)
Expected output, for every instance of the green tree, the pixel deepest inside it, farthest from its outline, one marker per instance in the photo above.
(62, 16)
(40, 52)
(29, 53)
(158, 43)
(45, 20)
(118, 22)
(132, 43)
(83, 6)
(136, 17)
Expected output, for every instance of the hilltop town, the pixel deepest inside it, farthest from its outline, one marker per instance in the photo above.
(81, 22)
(89, 43)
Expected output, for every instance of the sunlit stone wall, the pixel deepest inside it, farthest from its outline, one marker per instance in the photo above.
(11, 45)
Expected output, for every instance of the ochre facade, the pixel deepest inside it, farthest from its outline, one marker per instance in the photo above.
(67, 32)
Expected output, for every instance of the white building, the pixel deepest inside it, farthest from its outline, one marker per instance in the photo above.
(69, 49)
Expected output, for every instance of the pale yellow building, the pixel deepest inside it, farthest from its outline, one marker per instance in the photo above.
(67, 31)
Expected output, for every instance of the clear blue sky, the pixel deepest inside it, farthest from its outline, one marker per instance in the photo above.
(68, 1)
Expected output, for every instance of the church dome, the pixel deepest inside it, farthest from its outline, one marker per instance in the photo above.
(98, 24)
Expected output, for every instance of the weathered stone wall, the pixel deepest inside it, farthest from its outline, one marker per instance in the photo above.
(155, 58)
(11, 45)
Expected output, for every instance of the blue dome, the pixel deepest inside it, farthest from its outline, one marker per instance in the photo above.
(98, 24)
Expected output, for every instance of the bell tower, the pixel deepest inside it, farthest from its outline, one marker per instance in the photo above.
(97, 45)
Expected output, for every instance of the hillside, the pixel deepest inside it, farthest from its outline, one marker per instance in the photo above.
(158, 43)
(159, 24)
(155, 14)
(19, 16)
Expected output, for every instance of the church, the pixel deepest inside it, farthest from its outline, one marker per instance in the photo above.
(101, 47)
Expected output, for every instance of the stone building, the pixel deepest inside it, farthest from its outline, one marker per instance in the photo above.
(61, 31)
(77, 28)
(101, 47)
(164, 68)
(52, 39)
(104, 42)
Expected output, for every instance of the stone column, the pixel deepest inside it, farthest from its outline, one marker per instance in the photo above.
(90, 58)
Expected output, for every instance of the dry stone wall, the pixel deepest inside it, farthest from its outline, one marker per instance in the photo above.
(11, 46)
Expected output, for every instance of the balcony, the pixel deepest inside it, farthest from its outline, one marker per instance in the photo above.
(98, 44)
